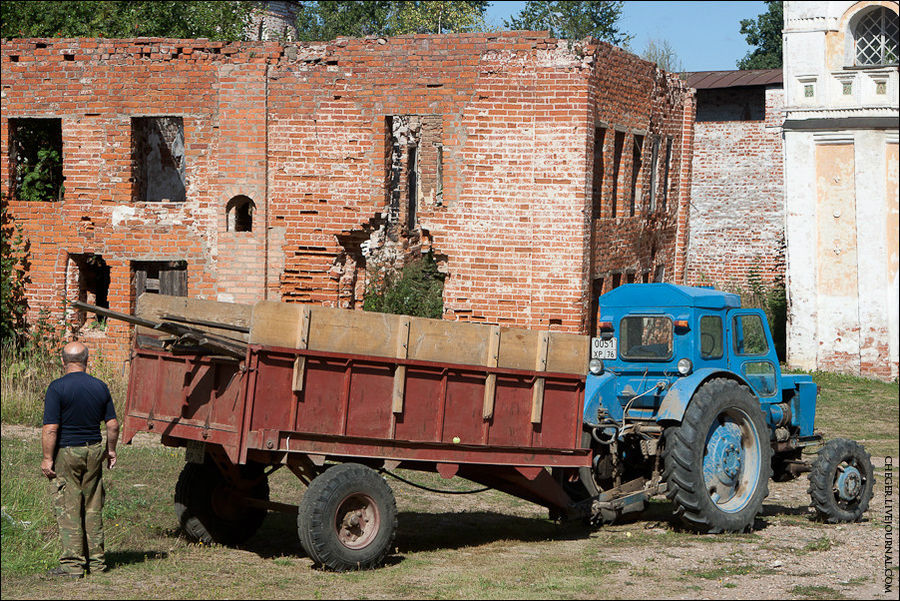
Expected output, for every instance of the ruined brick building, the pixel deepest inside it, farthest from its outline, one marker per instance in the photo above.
(539, 173)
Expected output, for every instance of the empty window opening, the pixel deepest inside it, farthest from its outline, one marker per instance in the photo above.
(634, 196)
(35, 153)
(416, 166)
(654, 164)
(596, 293)
(239, 214)
(412, 187)
(616, 280)
(158, 159)
(741, 103)
(660, 274)
(89, 283)
(875, 38)
(665, 183)
(618, 145)
(159, 277)
(597, 188)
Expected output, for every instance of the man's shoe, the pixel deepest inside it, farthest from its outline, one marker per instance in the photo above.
(58, 572)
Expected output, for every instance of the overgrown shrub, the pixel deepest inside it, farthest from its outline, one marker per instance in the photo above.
(15, 265)
(771, 298)
(417, 290)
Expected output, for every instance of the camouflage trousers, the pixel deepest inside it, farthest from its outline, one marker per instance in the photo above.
(78, 495)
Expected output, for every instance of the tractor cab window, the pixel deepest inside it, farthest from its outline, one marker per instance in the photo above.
(749, 335)
(711, 345)
(646, 338)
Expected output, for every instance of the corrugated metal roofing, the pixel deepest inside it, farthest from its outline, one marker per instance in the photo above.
(705, 80)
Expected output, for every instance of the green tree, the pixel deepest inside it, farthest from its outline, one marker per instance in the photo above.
(417, 290)
(573, 20)
(330, 19)
(764, 33)
(124, 19)
(15, 260)
(663, 55)
(438, 16)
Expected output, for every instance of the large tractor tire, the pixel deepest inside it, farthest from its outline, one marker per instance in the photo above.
(212, 510)
(718, 460)
(841, 481)
(348, 518)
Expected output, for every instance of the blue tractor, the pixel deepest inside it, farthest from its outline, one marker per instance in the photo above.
(685, 397)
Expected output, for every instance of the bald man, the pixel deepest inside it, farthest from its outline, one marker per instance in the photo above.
(74, 406)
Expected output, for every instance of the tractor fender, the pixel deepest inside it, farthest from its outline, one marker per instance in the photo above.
(682, 391)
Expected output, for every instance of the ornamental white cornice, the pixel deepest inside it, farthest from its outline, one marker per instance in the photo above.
(809, 24)
(842, 113)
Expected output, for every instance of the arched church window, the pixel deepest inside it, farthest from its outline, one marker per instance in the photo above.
(875, 38)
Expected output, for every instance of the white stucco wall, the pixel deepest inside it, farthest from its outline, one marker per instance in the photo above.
(843, 308)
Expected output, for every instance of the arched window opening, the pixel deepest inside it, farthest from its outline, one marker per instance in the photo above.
(875, 38)
(240, 214)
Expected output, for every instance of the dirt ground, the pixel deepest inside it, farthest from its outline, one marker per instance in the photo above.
(789, 556)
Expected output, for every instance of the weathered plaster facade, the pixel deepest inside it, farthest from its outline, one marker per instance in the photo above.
(841, 139)
(531, 168)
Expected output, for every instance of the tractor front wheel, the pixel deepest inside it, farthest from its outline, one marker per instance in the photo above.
(841, 481)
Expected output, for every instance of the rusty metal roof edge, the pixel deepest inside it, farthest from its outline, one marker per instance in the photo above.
(703, 80)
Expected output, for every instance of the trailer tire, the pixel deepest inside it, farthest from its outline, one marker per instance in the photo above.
(348, 518)
(717, 462)
(209, 508)
(841, 481)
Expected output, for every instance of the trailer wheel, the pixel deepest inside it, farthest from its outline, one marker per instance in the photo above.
(348, 518)
(841, 481)
(718, 460)
(210, 509)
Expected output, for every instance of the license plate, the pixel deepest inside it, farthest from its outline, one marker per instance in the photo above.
(603, 348)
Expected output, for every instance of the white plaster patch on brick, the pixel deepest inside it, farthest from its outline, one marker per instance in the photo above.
(122, 213)
(223, 297)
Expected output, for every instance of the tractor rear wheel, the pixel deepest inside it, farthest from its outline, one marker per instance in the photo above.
(348, 518)
(718, 460)
(841, 481)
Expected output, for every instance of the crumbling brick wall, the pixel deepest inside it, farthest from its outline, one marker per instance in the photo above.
(503, 165)
(737, 191)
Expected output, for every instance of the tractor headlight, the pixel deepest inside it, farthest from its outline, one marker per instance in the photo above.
(685, 366)
(596, 366)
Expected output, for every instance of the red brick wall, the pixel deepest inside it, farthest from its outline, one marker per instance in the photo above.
(737, 198)
(302, 131)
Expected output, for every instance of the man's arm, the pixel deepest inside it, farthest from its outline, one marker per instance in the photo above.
(112, 439)
(49, 433)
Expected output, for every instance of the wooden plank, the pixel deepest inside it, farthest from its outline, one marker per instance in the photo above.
(400, 372)
(537, 394)
(155, 306)
(302, 341)
(490, 383)
(447, 341)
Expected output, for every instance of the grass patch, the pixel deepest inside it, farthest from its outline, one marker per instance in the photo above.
(816, 592)
(822, 543)
(860, 409)
(25, 375)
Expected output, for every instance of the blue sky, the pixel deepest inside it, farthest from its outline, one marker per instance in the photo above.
(705, 35)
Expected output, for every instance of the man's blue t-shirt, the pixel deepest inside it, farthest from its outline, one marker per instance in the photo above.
(78, 402)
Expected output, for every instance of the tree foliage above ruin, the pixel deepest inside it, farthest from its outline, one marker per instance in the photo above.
(764, 32)
(328, 20)
(124, 19)
(573, 20)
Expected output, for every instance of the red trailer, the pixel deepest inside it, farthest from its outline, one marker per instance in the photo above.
(337, 395)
